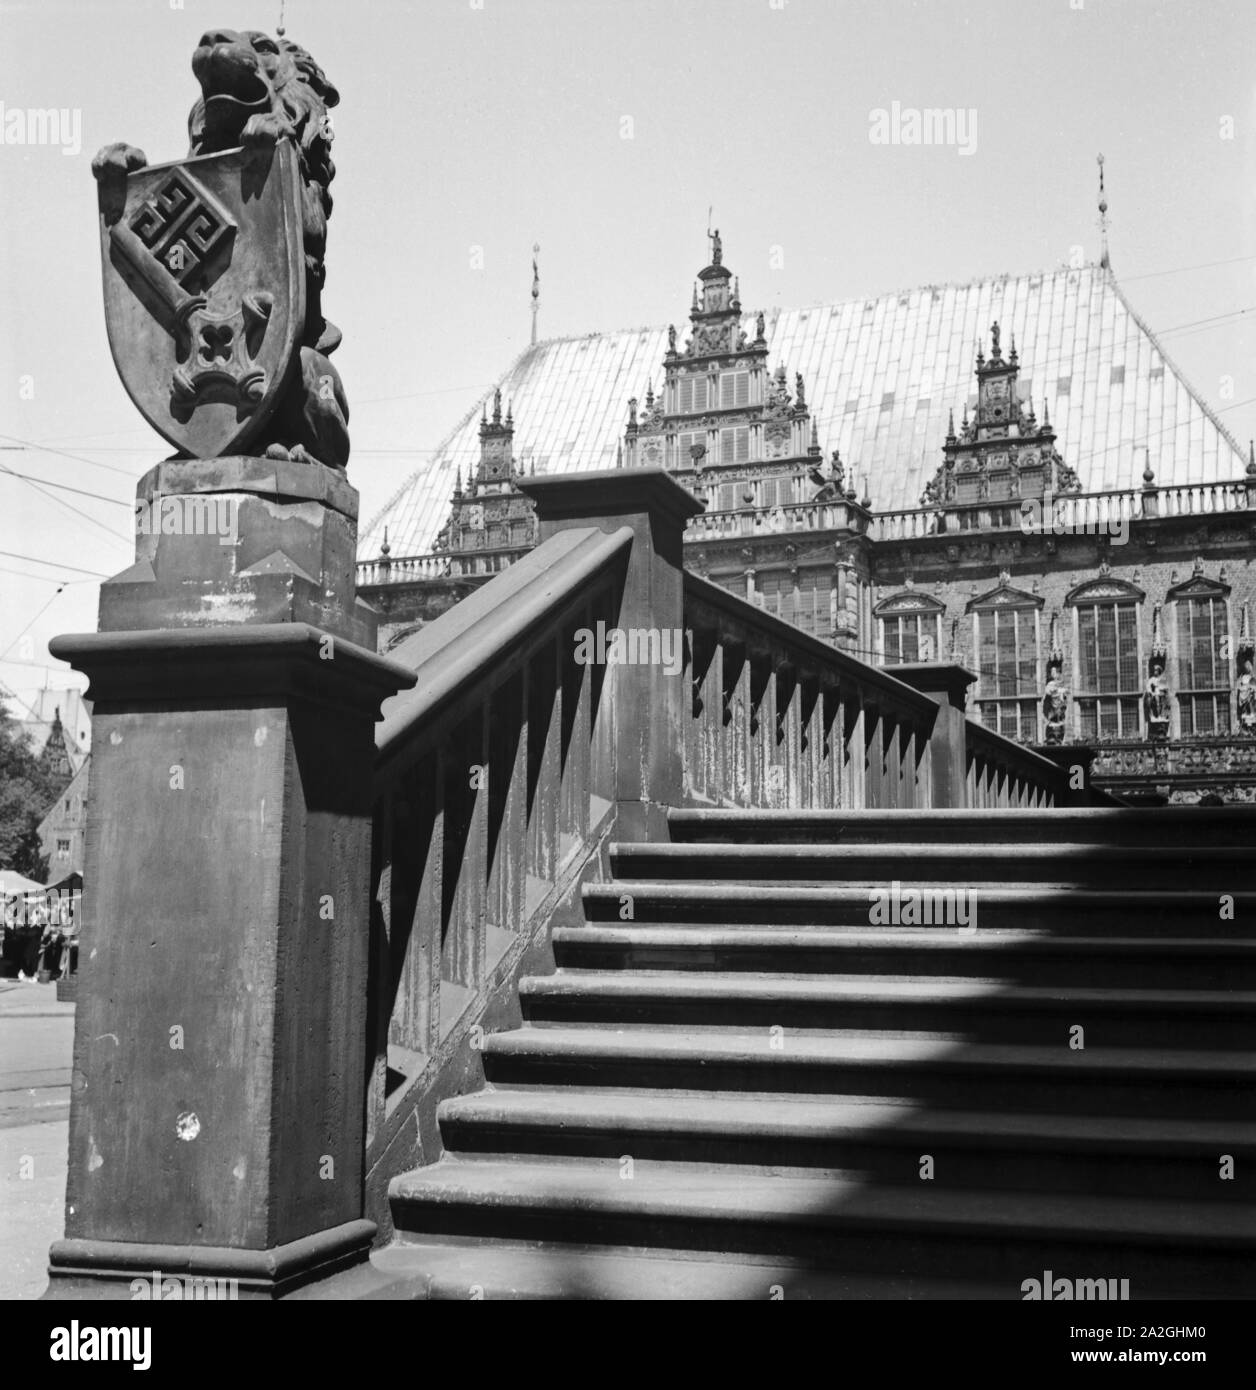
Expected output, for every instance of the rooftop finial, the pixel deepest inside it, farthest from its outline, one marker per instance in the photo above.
(536, 286)
(279, 29)
(1011, 357)
(1103, 220)
(950, 423)
(1251, 459)
(497, 406)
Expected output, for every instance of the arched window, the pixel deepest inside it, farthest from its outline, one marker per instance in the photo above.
(910, 627)
(1201, 642)
(1107, 670)
(1006, 638)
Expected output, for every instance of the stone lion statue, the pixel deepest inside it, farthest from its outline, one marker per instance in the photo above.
(255, 91)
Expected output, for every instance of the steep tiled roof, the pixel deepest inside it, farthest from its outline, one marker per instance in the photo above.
(881, 375)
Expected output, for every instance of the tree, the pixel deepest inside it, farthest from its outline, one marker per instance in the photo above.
(29, 784)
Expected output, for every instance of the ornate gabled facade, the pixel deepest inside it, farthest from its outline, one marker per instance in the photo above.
(1096, 573)
(723, 422)
(490, 514)
(1003, 453)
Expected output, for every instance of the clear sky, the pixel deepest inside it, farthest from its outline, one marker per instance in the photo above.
(604, 130)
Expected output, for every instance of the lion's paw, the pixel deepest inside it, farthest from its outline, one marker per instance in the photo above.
(266, 129)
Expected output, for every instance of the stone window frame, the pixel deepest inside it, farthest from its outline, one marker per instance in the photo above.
(1096, 593)
(909, 603)
(1007, 598)
(1196, 587)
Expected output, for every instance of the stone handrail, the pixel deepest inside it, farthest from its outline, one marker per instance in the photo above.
(1000, 772)
(777, 718)
(492, 791)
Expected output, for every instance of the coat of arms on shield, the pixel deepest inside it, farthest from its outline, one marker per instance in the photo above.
(205, 293)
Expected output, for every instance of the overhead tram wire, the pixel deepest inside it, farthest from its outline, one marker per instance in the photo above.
(117, 535)
(28, 444)
(52, 564)
(65, 487)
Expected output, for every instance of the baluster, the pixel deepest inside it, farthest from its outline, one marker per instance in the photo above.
(856, 742)
(507, 821)
(543, 770)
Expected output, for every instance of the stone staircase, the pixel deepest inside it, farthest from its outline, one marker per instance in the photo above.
(733, 1084)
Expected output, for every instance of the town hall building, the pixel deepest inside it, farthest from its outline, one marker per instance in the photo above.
(1010, 475)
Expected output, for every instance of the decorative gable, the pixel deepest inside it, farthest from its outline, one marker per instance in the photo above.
(1105, 589)
(1197, 586)
(1005, 596)
(908, 601)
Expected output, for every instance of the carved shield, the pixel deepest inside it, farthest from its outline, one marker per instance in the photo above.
(205, 293)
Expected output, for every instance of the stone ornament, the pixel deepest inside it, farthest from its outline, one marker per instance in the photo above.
(213, 265)
(1156, 700)
(1246, 697)
(1055, 704)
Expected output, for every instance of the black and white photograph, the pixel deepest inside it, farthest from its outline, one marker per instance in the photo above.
(628, 669)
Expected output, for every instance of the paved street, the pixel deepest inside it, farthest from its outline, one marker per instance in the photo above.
(36, 1040)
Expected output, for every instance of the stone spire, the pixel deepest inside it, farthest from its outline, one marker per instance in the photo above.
(1103, 220)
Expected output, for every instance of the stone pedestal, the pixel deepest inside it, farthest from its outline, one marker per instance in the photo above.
(241, 540)
(649, 700)
(1074, 761)
(217, 1108)
(948, 684)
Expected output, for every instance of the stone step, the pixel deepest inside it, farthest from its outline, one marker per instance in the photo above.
(1182, 1084)
(876, 1142)
(887, 953)
(1212, 869)
(964, 1011)
(556, 1270)
(1051, 910)
(1194, 825)
(927, 1231)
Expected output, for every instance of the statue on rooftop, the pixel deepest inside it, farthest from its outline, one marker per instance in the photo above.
(214, 264)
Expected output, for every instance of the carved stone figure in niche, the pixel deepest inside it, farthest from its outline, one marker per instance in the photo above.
(1055, 704)
(225, 282)
(671, 337)
(1247, 698)
(1156, 700)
